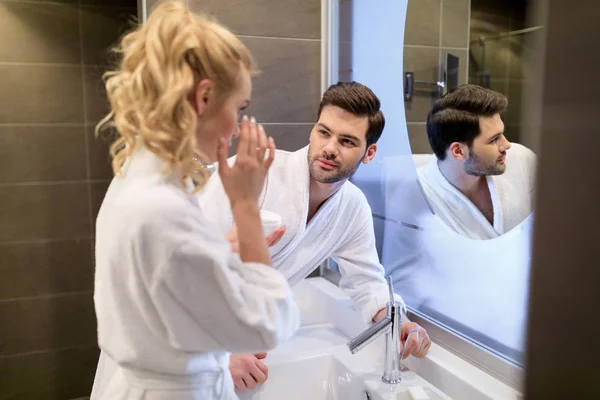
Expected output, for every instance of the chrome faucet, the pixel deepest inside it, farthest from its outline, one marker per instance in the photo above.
(392, 326)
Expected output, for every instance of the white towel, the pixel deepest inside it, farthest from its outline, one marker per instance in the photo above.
(342, 229)
(512, 196)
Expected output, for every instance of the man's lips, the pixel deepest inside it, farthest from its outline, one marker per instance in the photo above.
(326, 164)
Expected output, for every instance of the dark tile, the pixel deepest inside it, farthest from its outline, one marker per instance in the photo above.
(33, 212)
(33, 269)
(37, 154)
(101, 29)
(98, 190)
(423, 23)
(97, 106)
(100, 160)
(40, 94)
(60, 375)
(512, 115)
(289, 137)
(286, 18)
(424, 63)
(288, 87)
(346, 15)
(47, 323)
(455, 23)
(417, 136)
(34, 32)
(344, 61)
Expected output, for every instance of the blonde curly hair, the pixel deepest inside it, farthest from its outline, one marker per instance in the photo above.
(162, 61)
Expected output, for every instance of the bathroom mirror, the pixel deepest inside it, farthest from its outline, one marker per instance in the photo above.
(475, 288)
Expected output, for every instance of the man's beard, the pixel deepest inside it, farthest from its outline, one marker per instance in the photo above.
(476, 167)
(335, 175)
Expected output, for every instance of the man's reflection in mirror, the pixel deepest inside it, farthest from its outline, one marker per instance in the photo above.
(479, 183)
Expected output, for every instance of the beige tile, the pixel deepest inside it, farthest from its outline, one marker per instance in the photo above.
(288, 87)
(66, 374)
(417, 137)
(280, 18)
(39, 94)
(36, 154)
(100, 160)
(32, 212)
(423, 23)
(424, 63)
(101, 30)
(33, 32)
(47, 323)
(98, 190)
(32, 269)
(96, 102)
(512, 115)
(455, 23)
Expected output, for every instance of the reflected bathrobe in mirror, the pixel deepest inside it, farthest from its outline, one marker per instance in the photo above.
(171, 298)
(341, 229)
(512, 196)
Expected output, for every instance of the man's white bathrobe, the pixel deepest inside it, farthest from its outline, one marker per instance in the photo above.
(342, 229)
(512, 196)
(171, 298)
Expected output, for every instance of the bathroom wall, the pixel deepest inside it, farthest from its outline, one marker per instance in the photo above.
(433, 28)
(53, 175)
(285, 38)
(505, 59)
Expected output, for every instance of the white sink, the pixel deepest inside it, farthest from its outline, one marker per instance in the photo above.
(319, 377)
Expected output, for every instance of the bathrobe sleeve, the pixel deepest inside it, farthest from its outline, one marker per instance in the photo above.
(363, 276)
(207, 298)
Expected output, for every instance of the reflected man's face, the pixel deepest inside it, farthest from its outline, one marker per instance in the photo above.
(487, 154)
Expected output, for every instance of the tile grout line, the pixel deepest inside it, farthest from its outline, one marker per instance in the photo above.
(54, 183)
(424, 46)
(47, 296)
(468, 37)
(279, 38)
(440, 74)
(85, 119)
(37, 352)
(43, 241)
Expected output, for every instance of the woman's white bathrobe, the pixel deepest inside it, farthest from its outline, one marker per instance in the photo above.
(512, 196)
(171, 298)
(342, 229)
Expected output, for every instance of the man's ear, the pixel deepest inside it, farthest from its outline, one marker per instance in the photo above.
(203, 93)
(458, 151)
(371, 151)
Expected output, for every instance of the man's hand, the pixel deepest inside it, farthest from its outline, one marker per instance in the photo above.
(418, 343)
(272, 239)
(247, 370)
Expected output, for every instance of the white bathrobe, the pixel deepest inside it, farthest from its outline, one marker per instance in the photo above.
(171, 298)
(341, 229)
(512, 196)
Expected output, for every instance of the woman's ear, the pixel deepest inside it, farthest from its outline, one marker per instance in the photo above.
(203, 93)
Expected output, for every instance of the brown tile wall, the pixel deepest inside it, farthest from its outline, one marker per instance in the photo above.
(53, 175)
(433, 28)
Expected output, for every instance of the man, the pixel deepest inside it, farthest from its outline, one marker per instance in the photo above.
(481, 185)
(325, 214)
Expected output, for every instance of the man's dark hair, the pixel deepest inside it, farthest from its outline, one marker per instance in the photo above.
(455, 117)
(357, 99)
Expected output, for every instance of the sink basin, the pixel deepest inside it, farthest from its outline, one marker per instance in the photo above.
(320, 377)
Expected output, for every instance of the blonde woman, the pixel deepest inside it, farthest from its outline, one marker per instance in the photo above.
(171, 298)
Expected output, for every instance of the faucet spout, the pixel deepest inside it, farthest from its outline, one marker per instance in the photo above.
(391, 325)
